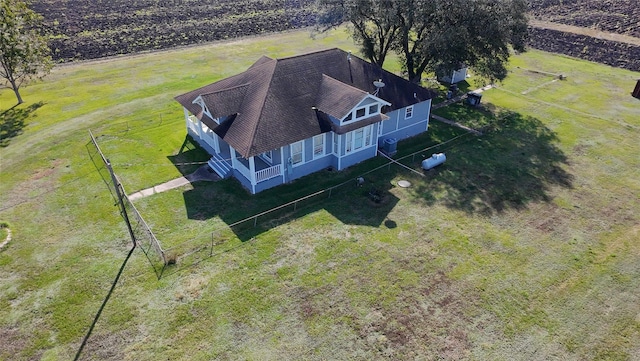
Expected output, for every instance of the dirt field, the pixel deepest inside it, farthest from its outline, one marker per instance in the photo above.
(616, 16)
(604, 31)
(94, 29)
(89, 30)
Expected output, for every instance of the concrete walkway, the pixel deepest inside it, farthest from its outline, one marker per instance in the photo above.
(455, 124)
(203, 173)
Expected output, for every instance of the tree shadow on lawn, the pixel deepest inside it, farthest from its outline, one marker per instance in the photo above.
(368, 204)
(12, 121)
(516, 162)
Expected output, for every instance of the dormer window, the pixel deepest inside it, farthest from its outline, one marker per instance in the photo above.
(362, 112)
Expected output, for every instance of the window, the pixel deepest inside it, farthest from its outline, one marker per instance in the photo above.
(348, 117)
(373, 109)
(367, 135)
(318, 146)
(408, 113)
(268, 156)
(296, 152)
(360, 113)
(358, 138)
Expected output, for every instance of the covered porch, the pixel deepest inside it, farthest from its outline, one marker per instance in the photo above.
(255, 169)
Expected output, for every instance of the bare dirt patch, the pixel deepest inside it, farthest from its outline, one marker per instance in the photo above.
(12, 343)
(107, 346)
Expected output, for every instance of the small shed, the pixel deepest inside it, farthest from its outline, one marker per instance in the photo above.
(455, 76)
(636, 91)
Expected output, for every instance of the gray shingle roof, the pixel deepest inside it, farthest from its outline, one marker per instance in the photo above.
(272, 101)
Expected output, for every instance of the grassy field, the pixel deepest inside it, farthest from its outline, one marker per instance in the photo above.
(524, 245)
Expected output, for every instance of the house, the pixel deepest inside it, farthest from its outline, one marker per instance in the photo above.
(282, 119)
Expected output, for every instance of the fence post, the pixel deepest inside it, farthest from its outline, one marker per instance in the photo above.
(255, 221)
(120, 194)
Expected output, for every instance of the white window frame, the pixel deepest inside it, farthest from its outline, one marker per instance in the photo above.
(366, 140)
(268, 156)
(315, 146)
(352, 116)
(291, 152)
(408, 112)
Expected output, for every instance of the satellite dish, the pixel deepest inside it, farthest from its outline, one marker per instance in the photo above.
(378, 84)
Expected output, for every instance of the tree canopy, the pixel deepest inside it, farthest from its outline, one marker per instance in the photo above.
(24, 53)
(434, 35)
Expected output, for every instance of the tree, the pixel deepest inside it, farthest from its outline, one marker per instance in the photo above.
(24, 53)
(435, 35)
(372, 25)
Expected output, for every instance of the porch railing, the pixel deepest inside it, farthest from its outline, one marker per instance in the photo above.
(268, 173)
(192, 123)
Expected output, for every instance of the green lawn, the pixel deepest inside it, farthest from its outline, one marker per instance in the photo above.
(523, 245)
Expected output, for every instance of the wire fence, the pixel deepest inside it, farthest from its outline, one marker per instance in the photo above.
(140, 233)
(191, 252)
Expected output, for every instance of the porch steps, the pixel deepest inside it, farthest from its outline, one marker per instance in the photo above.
(220, 166)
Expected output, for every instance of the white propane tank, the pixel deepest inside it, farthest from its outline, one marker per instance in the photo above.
(436, 159)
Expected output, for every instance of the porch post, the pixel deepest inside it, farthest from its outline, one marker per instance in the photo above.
(282, 165)
(200, 129)
(339, 150)
(216, 143)
(186, 117)
(252, 171)
(234, 161)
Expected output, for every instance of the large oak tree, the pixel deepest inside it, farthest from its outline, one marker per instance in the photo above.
(434, 35)
(24, 54)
